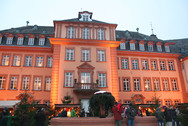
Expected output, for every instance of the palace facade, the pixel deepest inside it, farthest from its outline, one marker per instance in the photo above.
(80, 56)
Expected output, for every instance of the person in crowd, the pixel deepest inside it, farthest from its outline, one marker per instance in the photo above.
(25, 121)
(177, 115)
(160, 117)
(73, 113)
(5, 113)
(60, 114)
(124, 112)
(173, 114)
(117, 114)
(40, 117)
(140, 112)
(130, 113)
(83, 113)
(64, 113)
(147, 113)
(168, 116)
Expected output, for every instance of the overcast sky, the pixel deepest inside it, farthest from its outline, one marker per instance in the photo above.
(169, 18)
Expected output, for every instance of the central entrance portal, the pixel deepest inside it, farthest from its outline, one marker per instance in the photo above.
(85, 105)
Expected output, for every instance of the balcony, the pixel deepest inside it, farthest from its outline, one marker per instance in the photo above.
(85, 87)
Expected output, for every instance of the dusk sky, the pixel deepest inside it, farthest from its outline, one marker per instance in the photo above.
(169, 18)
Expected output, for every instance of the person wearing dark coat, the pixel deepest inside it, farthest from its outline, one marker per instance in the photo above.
(168, 116)
(4, 113)
(40, 118)
(117, 114)
(130, 113)
(160, 117)
(64, 113)
(25, 119)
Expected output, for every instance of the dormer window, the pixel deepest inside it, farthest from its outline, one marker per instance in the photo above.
(20, 41)
(141, 46)
(122, 45)
(159, 48)
(31, 41)
(41, 41)
(9, 40)
(85, 33)
(132, 46)
(71, 32)
(150, 47)
(100, 34)
(0, 39)
(85, 16)
(167, 48)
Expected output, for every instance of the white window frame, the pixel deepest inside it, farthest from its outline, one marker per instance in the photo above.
(13, 83)
(165, 85)
(145, 64)
(167, 48)
(41, 41)
(85, 77)
(37, 83)
(125, 64)
(71, 32)
(147, 84)
(156, 83)
(9, 40)
(69, 54)
(135, 64)
(85, 33)
(85, 55)
(132, 46)
(5, 60)
(171, 65)
(126, 84)
(154, 65)
(49, 61)
(28, 61)
(25, 83)
(150, 47)
(141, 47)
(159, 48)
(174, 84)
(39, 61)
(20, 41)
(100, 34)
(102, 79)
(122, 45)
(101, 55)
(162, 65)
(68, 79)
(2, 82)
(17, 60)
(137, 84)
(48, 84)
(31, 41)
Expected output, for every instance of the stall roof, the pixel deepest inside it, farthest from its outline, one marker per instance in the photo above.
(8, 104)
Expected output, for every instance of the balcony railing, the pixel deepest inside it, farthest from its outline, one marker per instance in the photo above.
(86, 86)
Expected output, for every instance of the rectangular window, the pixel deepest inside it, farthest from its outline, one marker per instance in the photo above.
(69, 54)
(165, 85)
(171, 65)
(147, 84)
(102, 79)
(176, 102)
(85, 33)
(162, 65)
(85, 55)
(71, 32)
(17, 61)
(127, 102)
(41, 41)
(156, 84)
(25, 83)
(37, 83)
(126, 84)
(40, 61)
(50, 62)
(101, 55)
(154, 65)
(149, 102)
(141, 46)
(20, 41)
(124, 63)
(168, 103)
(13, 83)
(28, 60)
(137, 84)
(48, 84)
(132, 46)
(144, 64)
(122, 45)
(135, 64)
(5, 60)
(174, 84)
(159, 48)
(9, 40)
(31, 41)
(85, 78)
(100, 34)
(167, 49)
(150, 47)
(68, 79)
(2, 82)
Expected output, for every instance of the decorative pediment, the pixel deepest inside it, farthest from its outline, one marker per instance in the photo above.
(137, 96)
(86, 65)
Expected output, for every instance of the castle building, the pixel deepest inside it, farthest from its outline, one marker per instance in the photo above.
(80, 56)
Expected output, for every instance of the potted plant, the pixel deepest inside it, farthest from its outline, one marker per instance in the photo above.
(67, 99)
